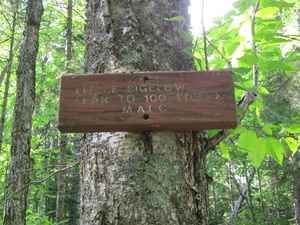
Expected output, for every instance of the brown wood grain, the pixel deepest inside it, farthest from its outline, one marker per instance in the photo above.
(153, 101)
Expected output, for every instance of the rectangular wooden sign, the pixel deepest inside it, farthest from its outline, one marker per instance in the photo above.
(154, 101)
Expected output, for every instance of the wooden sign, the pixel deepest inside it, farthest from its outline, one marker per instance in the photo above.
(154, 101)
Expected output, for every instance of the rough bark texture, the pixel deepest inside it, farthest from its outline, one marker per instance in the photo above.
(18, 178)
(74, 181)
(7, 71)
(296, 185)
(61, 181)
(140, 178)
(69, 34)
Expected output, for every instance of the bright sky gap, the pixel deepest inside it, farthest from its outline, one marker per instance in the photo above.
(212, 8)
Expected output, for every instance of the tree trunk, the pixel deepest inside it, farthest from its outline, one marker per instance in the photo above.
(242, 197)
(61, 181)
(230, 186)
(248, 180)
(18, 178)
(69, 50)
(7, 70)
(74, 181)
(261, 199)
(146, 177)
(296, 185)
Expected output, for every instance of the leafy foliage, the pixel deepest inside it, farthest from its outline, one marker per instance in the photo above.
(246, 37)
(259, 41)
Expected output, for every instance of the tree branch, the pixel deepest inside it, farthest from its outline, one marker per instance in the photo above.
(39, 181)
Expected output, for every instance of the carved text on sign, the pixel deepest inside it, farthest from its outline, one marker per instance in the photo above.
(147, 101)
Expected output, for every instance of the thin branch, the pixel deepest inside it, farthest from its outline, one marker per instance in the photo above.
(204, 37)
(253, 46)
(39, 181)
(222, 56)
(34, 169)
(242, 197)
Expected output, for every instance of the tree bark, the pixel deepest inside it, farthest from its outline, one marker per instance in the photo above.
(18, 178)
(74, 180)
(296, 185)
(61, 181)
(69, 35)
(7, 71)
(242, 197)
(146, 177)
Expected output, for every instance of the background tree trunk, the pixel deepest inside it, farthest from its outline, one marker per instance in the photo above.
(18, 178)
(74, 181)
(296, 185)
(7, 71)
(69, 34)
(61, 181)
(141, 178)
(242, 197)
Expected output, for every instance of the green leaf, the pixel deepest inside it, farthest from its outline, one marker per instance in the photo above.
(270, 21)
(176, 18)
(236, 131)
(278, 41)
(278, 65)
(224, 148)
(292, 143)
(240, 110)
(295, 128)
(273, 148)
(232, 44)
(249, 59)
(271, 35)
(265, 12)
(247, 140)
(28, 211)
(280, 4)
(263, 90)
(249, 143)
(294, 57)
(257, 155)
(242, 70)
(212, 133)
(257, 104)
(239, 87)
(267, 130)
(287, 151)
(217, 20)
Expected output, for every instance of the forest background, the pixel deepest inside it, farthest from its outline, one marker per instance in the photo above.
(254, 174)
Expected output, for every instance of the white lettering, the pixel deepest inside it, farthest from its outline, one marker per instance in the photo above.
(168, 87)
(95, 99)
(179, 96)
(162, 108)
(162, 98)
(127, 110)
(104, 99)
(130, 88)
(140, 109)
(179, 87)
(121, 98)
(130, 98)
(188, 97)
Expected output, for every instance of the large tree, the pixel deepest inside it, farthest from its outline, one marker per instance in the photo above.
(146, 177)
(18, 179)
